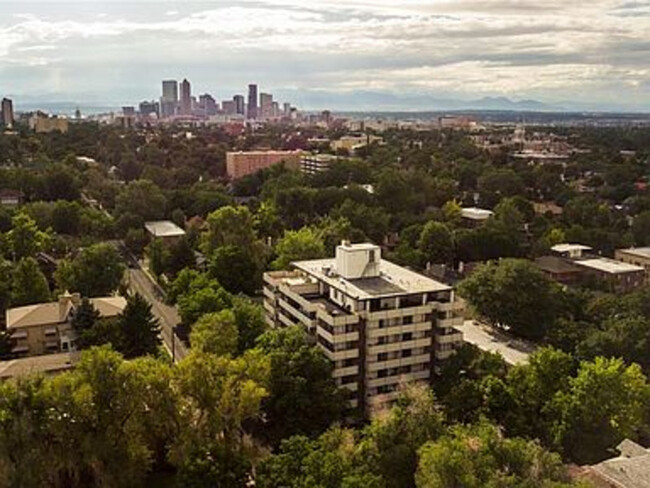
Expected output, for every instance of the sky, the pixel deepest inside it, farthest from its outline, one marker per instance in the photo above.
(356, 54)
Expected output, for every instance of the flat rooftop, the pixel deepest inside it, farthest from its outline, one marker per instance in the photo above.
(642, 252)
(164, 228)
(609, 265)
(475, 213)
(554, 264)
(393, 280)
(570, 247)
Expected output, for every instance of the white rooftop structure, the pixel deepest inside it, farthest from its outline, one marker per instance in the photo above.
(164, 228)
(610, 266)
(572, 250)
(474, 213)
(359, 271)
(642, 252)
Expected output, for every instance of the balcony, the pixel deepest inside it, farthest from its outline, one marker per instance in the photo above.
(340, 372)
(449, 338)
(394, 363)
(399, 345)
(451, 322)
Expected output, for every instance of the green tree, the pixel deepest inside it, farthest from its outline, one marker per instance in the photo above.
(142, 198)
(436, 243)
(303, 398)
(235, 268)
(140, 329)
(514, 294)
(229, 226)
(199, 301)
(641, 229)
(84, 317)
(605, 403)
(477, 456)
(29, 284)
(25, 239)
(96, 271)
(250, 323)
(6, 284)
(298, 245)
(215, 333)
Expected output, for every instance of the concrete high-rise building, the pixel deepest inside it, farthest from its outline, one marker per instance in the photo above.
(148, 109)
(186, 98)
(7, 112)
(208, 105)
(242, 163)
(128, 111)
(240, 104)
(266, 105)
(275, 109)
(229, 107)
(287, 110)
(169, 99)
(252, 101)
(381, 325)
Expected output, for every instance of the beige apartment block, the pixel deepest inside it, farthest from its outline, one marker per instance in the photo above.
(639, 256)
(45, 328)
(381, 325)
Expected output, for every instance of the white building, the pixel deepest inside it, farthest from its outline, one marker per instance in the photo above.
(312, 164)
(380, 324)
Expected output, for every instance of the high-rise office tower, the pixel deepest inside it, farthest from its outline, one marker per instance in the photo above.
(240, 102)
(208, 105)
(266, 104)
(148, 109)
(186, 98)
(169, 99)
(252, 101)
(7, 112)
(287, 109)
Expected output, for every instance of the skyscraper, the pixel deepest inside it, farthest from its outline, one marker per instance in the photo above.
(169, 99)
(266, 105)
(240, 101)
(7, 112)
(186, 98)
(208, 105)
(252, 101)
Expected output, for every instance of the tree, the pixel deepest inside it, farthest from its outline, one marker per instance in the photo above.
(436, 243)
(199, 301)
(605, 403)
(96, 271)
(25, 239)
(6, 284)
(215, 333)
(143, 199)
(391, 442)
(84, 317)
(250, 323)
(179, 256)
(514, 294)
(477, 456)
(140, 329)
(303, 398)
(298, 245)
(29, 284)
(229, 226)
(235, 268)
(641, 228)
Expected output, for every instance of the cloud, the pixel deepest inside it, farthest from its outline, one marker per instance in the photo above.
(515, 47)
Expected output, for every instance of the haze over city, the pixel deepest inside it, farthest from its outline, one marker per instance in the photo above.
(353, 55)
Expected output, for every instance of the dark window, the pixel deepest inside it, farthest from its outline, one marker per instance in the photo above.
(407, 353)
(407, 320)
(382, 356)
(382, 373)
(407, 336)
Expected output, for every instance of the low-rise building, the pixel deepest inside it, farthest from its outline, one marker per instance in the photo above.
(243, 163)
(352, 143)
(10, 198)
(475, 216)
(621, 277)
(381, 325)
(48, 364)
(41, 124)
(559, 269)
(639, 256)
(631, 469)
(165, 230)
(571, 251)
(45, 328)
(312, 164)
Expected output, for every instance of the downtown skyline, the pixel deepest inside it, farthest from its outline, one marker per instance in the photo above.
(353, 55)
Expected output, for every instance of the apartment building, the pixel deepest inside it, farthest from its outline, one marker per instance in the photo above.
(242, 163)
(313, 164)
(45, 328)
(639, 256)
(380, 324)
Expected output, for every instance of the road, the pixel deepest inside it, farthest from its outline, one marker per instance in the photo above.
(514, 351)
(168, 316)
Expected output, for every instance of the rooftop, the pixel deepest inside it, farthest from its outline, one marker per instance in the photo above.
(50, 363)
(164, 228)
(609, 265)
(393, 280)
(562, 248)
(475, 213)
(642, 252)
(630, 470)
(556, 265)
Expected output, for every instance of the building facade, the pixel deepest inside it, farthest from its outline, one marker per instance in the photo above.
(312, 164)
(186, 98)
(639, 256)
(252, 102)
(381, 325)
(7, 109)
(240, 104)
(169, 99)
(242, 163)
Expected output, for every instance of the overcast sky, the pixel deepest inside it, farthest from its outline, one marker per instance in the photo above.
(594, 52)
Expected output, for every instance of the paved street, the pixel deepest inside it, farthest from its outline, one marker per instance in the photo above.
(168, 316)
(513, 350)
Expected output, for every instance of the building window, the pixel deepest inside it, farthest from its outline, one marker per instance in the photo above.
(407, 353)
(382, 373)
(407, 336)
(407, 320)
(371, 257)
(382, 356)
(382, 323)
